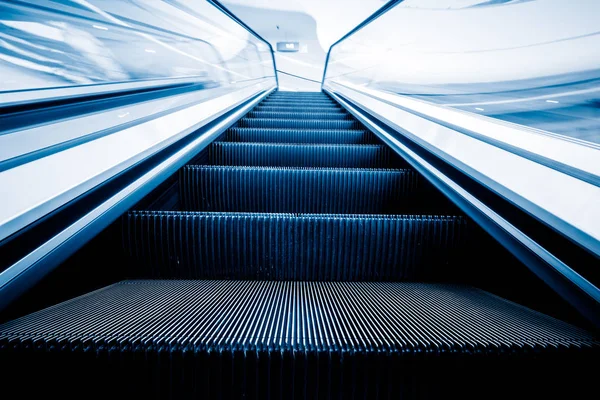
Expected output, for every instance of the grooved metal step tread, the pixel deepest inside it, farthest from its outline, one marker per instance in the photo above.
(299, 106)
(306, 190)
(298, 115)
(298, 123)
(282, 135)
(303, 155)
(281, 96)
(296, 108)
(294, 340)
(312, 247)
(324, 98)
(305, 316)
(299, 101)
(299, 94)
(290, 93)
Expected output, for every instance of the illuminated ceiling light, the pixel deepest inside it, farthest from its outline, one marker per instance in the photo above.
(288, 47)
(479, 109)
(150, 51)
(552, 101)
(102, 28)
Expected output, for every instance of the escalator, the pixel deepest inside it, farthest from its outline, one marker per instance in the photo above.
(297, 256)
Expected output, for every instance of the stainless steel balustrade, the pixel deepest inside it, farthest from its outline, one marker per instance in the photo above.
(513, 110)
(58, 56)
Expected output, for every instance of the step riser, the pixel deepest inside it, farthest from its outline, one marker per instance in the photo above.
(285, 155)
(299, 136)
(235, 189)
(298, 124)
(278, 375)
(298, 115)
(287, 247)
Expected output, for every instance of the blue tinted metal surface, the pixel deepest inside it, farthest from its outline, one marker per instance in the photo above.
(533, 62)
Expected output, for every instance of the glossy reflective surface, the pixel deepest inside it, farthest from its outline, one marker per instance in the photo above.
(531, 62)
(69, 43)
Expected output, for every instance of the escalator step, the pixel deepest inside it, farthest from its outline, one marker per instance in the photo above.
(319, 98)
(273, 135)
(234, 339)
(271, 108)
(355, 316)
(299, 95)
(312, 247)
(303, 155)
(298, 101)
(299, 104)
(289, 99)
(302, 190)
(298, 115)
(298, 123)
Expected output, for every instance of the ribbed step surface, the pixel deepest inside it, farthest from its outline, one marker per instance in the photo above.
(282, 135)
(293, 108)
(302, 98)
(236, 339)
(298, 315)
(298, 123)
(298, 102)
(313, 247)
(299, 94)
(302, 155)
(298, 115)
(299, 98)
(301, 190)
(284, 100)
(302, 95)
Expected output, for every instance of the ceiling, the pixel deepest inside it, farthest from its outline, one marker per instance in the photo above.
(315, 24)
